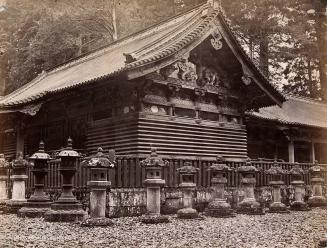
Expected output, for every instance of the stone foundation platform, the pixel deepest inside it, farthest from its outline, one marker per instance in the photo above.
(251, 208)
(278, 207)
(219, 209)
(101, 222)
(12, 206)
(34, 209)
(65, 213)
(317, 201)
(187, 213)
(154, 219)
(299, 206)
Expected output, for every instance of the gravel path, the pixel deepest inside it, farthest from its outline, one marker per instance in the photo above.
(297, 229)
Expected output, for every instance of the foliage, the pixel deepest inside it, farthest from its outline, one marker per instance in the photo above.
(285, 40)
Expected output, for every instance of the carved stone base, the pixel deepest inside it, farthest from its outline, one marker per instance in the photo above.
(251, 207)
(154, 219)
(278, 207)
(322, 243)
(187, 213)
(65, 213)
(299, 206)
(317, 201)
(101, 221)
(3, 206)
(12, 206)
(34, 209)
(220, 209)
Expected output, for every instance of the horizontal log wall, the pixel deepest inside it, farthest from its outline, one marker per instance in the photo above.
(129, 174)
(175, 138)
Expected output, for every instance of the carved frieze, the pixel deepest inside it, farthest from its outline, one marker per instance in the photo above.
(216, 40)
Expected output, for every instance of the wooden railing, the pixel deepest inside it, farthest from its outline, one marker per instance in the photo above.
(129, 174)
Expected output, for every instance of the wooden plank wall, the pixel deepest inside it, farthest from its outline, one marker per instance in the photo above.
(129, 174)
(171, 138)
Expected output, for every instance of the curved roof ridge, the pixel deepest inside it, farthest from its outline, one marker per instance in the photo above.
(144, 32)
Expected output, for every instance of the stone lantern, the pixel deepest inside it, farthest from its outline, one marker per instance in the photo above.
(297, 182)
(187, 177)
(249, 205)
(317, 199)
(18, 176)
(153, 168)
(276, 182)
(219, 207)
(99, 165)
(39, 202)
(66, 208)
(4, 165)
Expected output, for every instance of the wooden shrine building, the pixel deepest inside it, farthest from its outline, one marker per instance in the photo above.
(295, 132)
(183, 86)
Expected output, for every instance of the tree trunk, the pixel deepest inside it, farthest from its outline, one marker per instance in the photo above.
(263, 60)
(321, 28)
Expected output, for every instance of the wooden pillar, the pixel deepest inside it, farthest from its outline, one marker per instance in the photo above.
(312, 152)
(19, 140)
(291, 157)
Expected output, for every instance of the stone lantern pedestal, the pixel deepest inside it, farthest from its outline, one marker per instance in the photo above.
(39, 202)
(276, 206)
(219, 207)
(99, 165)
(187, 176)
(153, 182)
(298, 204)
(66, 208)
(18, 177)
(3, 181)
(317, 199)
(249, 205)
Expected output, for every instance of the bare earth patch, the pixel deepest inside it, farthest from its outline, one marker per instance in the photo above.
(297, 229)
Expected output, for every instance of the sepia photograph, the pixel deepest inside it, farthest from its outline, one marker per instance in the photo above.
(163, 123)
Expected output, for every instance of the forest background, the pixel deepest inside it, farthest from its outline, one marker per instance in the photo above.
(287, 39)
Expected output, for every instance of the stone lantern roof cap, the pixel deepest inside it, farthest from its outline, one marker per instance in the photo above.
(276, 170)
(68, 151)
(154, 160)
(297, 170)
(220, 165)
(187, 169)
(248, 167)
(316, 167)
(3, 162)
(100, 159)
(41, 154)
(19, 161)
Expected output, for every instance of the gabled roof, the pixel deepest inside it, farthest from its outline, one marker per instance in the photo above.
(295, 111)
(169, 39)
